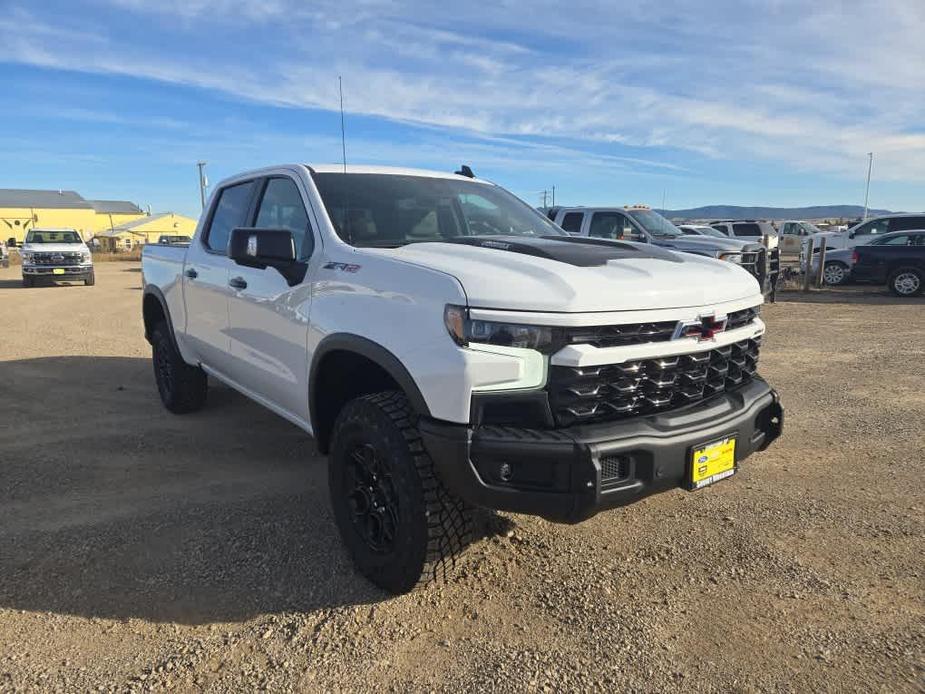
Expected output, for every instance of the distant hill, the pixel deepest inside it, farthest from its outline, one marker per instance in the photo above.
(736, 212)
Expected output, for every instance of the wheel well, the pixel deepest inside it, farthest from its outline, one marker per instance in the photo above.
(339, 377)
(153, 312)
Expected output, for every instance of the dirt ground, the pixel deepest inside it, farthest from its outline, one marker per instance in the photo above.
(142, 551)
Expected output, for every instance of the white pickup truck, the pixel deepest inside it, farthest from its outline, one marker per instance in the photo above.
(449, 347)
(56, 254)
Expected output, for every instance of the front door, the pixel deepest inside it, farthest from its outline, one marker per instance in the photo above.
(268, 319)
(205, 277)
(791, 237)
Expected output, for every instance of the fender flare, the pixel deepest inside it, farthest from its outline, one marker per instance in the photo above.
(376, 353)
(155, 291)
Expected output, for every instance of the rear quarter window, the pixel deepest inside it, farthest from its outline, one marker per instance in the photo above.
(747, 229)
(572, 222)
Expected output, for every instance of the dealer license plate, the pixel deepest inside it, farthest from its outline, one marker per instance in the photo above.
(713, 462)
(57, 271)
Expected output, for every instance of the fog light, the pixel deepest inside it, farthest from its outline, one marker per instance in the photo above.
(505, 472)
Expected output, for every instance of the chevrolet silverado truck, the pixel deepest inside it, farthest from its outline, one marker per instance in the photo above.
(56, 254)
(448, 347)
(642, 224)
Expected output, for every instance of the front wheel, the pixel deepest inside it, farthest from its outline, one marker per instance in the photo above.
(906, 281)
(182, 387)
(28, 281)
(399, 523)
(90, 279)
(835, 273)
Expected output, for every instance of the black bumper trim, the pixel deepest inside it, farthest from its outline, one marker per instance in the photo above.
(557, 474)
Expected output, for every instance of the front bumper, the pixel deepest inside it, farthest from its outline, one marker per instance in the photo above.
(568, 475)
(66, 272)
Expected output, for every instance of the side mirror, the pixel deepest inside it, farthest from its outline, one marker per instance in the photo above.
(11, 242)
(263, 248)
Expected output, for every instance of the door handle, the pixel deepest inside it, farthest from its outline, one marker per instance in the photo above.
(191, 273)
(237, 283)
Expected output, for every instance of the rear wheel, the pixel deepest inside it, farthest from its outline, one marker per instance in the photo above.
(835, 273)
(906, 281)
(399, 523)
(182, 387)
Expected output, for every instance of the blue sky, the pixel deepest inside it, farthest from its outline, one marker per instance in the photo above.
(728, 101)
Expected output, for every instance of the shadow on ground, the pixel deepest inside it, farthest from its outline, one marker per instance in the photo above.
(112, 507)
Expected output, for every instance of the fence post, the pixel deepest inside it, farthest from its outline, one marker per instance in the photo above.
(809, 265)
(820, 276)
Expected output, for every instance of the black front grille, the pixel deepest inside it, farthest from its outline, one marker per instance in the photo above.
(620, 335)
(52, 258)
(738, 319)
(645, 386)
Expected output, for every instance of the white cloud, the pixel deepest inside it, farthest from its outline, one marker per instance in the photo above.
(814, 86)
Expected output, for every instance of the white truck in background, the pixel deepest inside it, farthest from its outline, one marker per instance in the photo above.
(56, 254)
(449, 347)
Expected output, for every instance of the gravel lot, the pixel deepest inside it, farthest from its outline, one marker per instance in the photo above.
(144, 551)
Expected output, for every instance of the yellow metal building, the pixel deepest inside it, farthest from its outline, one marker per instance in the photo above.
(21, 210)
(145, 230)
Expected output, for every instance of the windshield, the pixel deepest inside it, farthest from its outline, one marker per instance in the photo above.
(45, 236)
(654, 223)
(387, 210)
(710, 231)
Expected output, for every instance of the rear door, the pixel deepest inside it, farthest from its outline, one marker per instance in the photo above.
(205, 277)
(268, 319)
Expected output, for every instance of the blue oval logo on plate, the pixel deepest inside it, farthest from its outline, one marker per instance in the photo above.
(703, 459)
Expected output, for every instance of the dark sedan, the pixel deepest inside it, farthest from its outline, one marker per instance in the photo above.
(897, 259)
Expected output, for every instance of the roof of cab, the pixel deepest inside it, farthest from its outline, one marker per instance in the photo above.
(388, 170)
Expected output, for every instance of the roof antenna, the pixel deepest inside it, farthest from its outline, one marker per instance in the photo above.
(348, 226)
(464, 170)
(343, 136)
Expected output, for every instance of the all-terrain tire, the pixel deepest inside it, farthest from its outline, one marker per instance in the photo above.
(90, 279)
(381, 477)
(182, 387)
(28, 281)
(906, 281)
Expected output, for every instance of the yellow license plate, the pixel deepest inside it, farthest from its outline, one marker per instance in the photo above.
(57, 271)
(713, 462)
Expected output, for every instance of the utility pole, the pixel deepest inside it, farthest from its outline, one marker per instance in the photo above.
(544, 200)
(553, 196)
(870, 165)
(203, 182)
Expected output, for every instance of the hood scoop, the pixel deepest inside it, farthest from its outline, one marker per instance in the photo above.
(574, 250)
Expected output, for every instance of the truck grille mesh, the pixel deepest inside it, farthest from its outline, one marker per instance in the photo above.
(646, 386)
(59, 259)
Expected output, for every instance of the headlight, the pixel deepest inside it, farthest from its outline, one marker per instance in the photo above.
(26, 256)
(85, 256)
(464, 330)
(731, 257)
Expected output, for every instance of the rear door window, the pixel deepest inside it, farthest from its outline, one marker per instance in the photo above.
(572, 222)
(230, 212)
(907, 223)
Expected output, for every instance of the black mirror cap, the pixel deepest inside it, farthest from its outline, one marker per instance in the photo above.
(263, 248)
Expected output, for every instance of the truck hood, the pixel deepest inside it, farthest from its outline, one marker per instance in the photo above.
(706, 245)
(54, 247)
(543, 274)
